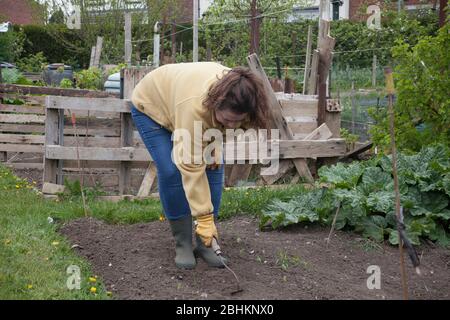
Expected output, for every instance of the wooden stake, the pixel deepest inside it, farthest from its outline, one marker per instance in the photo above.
(390, 91)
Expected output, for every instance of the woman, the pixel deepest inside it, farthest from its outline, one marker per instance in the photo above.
(174, 97)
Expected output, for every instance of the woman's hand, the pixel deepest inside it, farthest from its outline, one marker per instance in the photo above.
(206, 229)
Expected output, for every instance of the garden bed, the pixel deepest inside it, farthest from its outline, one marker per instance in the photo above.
(136, 262)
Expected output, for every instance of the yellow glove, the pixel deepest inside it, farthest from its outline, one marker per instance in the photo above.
(206, 229)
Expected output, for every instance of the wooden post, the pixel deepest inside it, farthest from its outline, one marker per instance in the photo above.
(91, 62)
(374, 71)
(147, 181)
(59, 179)
(239, 172)
(391, 91)
(128, 48)
(173, 40)
(195, 32)
(51, 138)
(126, 140)
(307, 61)
(313, 70)
(352, 94)
(98, 52)
(294, 47)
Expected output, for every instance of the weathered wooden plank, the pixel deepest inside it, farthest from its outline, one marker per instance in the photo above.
(92, 164)
(29, 128)
(52, 188)
(22, 138)
(11, 108)
(325, 47)
(98, 52)
(288, 149)
(312, 148)
(21, 118)
(51, 138)
(132, 76)
(19, 89)
(295, 96)
(118, 154)
(128, 45)
(294, 108)
(11, 147)
(92, 104)
(302, 127)
(312, 81)
(147, 181)
(24, 165)
(22, 108)
(126, 140)
(239, 172)
(28, 99)
(307, 59)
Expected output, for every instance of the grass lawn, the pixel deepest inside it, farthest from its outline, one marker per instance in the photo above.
(34, 257)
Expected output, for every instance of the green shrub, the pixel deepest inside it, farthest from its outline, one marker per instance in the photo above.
(422, 109)
(32, 63)
(66, 83)
(11, 75)
(89, 79)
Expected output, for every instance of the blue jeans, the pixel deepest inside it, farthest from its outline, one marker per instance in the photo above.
(158, 142)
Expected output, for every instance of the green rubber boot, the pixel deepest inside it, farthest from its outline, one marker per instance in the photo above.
(182, 232)
(208, 254)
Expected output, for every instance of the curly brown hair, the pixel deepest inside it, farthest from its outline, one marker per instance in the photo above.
(240, 91)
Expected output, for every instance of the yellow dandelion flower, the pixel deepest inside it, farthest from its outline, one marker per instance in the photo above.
(92, 279)
(161, 217)
(30, 286)
(17, 186)
(93, 290)
(109, 293)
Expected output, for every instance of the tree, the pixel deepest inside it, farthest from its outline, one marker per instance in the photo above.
(422, 110)
(57, 17)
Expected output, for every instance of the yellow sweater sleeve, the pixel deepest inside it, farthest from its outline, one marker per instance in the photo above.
(192, 168)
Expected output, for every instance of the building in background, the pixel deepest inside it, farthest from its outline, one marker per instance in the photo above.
(356, 9)
(21, 12)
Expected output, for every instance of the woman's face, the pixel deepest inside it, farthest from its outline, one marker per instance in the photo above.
(230, 119)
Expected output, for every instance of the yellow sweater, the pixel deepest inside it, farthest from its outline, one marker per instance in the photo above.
(172, 95)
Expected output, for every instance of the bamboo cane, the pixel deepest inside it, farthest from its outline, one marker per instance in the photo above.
(390, 92)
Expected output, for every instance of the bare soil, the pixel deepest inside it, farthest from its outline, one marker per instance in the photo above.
(137, 262)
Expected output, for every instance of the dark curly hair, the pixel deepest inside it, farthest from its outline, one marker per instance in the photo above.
(240, 91)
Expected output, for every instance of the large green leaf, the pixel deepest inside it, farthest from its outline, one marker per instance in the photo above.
(374, 227)
(440, 236)
(413, 237)
(342, 175)
(381, 201)
(375, 179)
(446, 184)
(430, 203)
